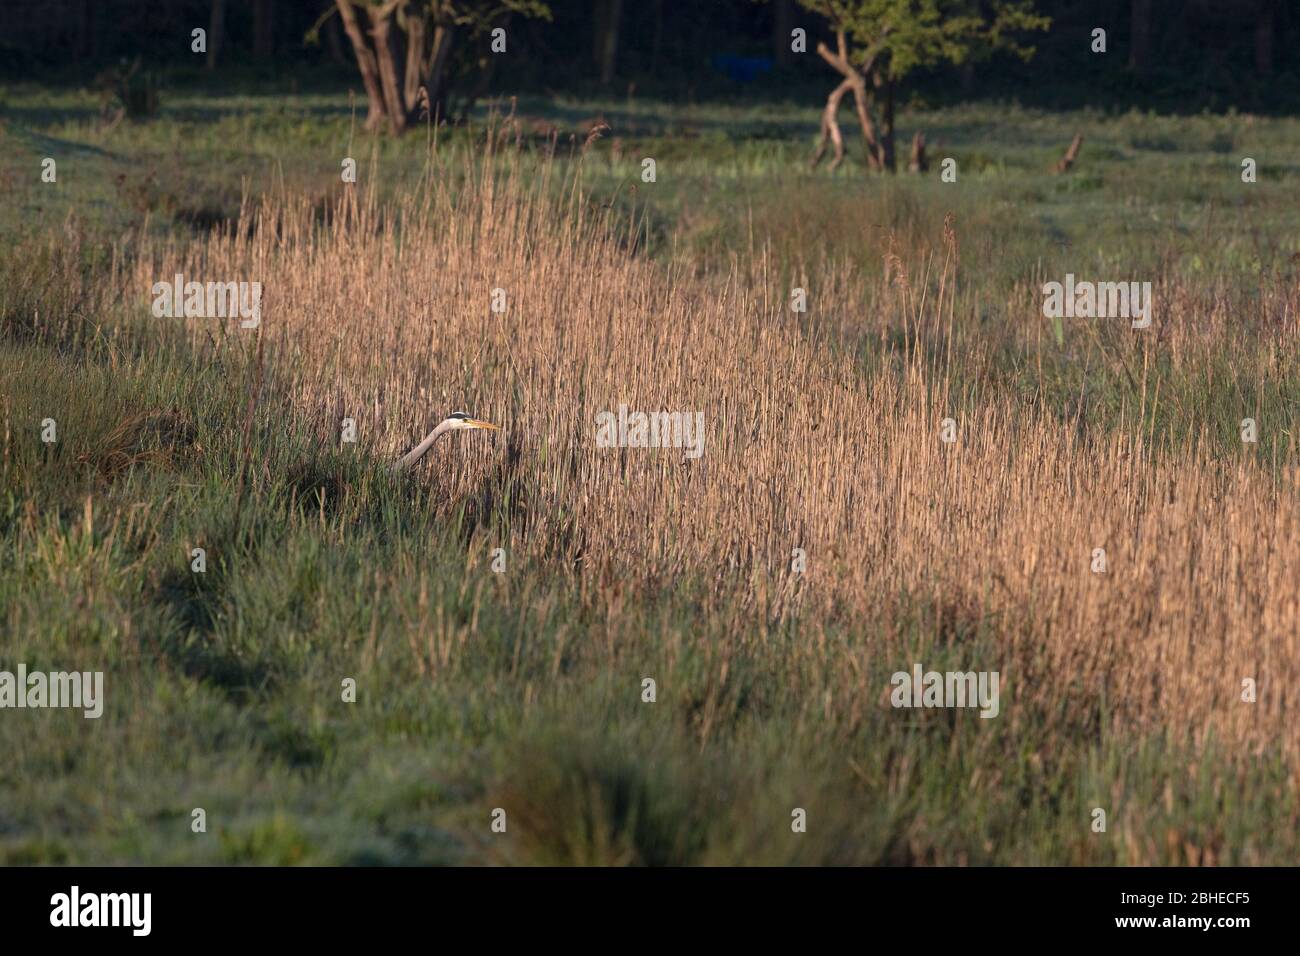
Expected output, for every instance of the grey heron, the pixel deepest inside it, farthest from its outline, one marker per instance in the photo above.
(456, 421)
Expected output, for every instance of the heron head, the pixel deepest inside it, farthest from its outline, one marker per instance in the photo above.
(461, 420)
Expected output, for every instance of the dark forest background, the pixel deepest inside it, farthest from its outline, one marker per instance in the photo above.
(1179, 55)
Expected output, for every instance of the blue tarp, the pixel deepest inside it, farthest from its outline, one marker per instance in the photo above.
(742, 69)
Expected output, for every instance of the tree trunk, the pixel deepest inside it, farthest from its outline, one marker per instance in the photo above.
(599, 14)
(480, 87)
(862, 103)
(365, 63)
(831, 127)
(885, 150)
(861, 99)
(918, 162)
(887, 129)
(656, 44)
(1264, 38)
(263, 23)
(216, 27)
(611, 41)
(416, 64)
(444, 35)
(1139, 51)
(782, 24)
(606, 19)
(83, 29)
(381, 29)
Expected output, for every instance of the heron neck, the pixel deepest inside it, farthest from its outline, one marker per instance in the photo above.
(419, 450)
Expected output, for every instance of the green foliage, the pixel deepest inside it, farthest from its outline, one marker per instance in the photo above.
(899, 36)
(462, 13)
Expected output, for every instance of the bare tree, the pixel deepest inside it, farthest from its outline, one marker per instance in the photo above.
(855, 80)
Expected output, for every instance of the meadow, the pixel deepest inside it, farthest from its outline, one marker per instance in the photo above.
(522, 688)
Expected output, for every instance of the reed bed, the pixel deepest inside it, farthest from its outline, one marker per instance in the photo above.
(823, 433)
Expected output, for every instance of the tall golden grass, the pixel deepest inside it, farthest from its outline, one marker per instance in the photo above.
(382, 313)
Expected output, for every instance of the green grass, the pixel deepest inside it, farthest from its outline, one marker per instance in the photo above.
(1142, 179)
(479, 690)
(225, 687)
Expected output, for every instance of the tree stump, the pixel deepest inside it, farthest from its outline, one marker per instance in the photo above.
(918, 162)
(1070, 156)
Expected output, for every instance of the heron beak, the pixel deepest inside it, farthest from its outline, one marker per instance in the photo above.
(476, 423)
